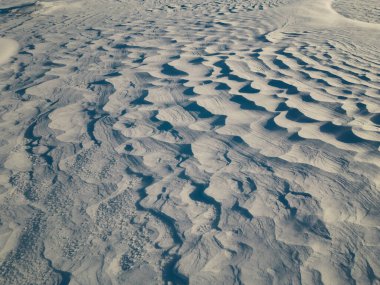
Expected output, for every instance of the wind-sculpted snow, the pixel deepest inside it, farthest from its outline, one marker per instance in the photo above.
(189, 142)
(362, 10)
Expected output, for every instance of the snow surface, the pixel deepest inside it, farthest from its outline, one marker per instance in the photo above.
(189, 142)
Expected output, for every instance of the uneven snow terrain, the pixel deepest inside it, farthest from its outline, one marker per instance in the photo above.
(189, 142)
(363, 10)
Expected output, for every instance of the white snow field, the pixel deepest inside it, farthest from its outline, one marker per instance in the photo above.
(190, 142)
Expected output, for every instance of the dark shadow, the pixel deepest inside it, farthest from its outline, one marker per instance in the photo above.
(222, 86)
(141, 100)
(280, 64)
(242, 211)
(172, 71)
(200, 111)
(246, 104)
(375, 119)
(291, 90)
(296, 116)
(249, 89)
(272, 126)
(341, 133)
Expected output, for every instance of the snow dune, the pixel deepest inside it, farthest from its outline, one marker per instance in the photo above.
(189, 142)
(362, 10)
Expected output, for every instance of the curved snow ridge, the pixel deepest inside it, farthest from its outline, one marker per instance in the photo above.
(48, 7)
(9, 48)
(8, 5)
